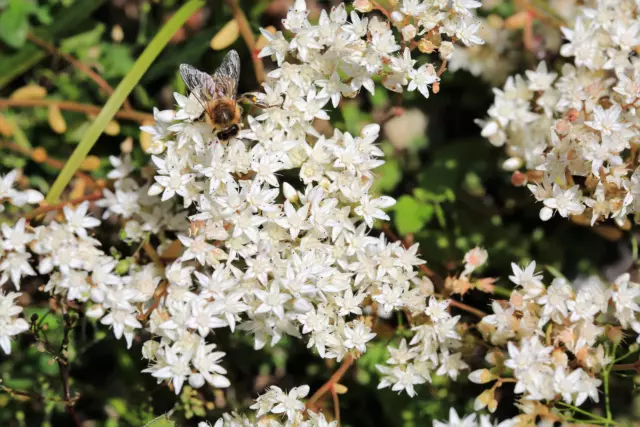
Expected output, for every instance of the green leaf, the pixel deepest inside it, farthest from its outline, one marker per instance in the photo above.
(83, 41)
(161, 421)
(119, 95)
(351, 115)
(116, 60)
(411, 215)
(14, 25)
(65, 21)
(389, 175)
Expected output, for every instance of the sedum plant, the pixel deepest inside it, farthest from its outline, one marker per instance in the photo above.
(274, 233)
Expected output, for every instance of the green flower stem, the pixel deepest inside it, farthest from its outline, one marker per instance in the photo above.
(119, 95)
(605, 379)
(583, 412)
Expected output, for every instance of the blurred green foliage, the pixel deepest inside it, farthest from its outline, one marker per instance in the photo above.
(452, 195)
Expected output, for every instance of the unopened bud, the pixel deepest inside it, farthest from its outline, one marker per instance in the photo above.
(39, 154)
(446, 50)
(363, 6)
(518, 179)
(290, 193)
(426, 46)
(396, 16)
(615, 334)
(409, 32)
(481, 376)
(483, 399)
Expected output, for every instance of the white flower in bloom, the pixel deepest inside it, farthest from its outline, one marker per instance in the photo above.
(561, 127)
(77, 219)
(10, 324)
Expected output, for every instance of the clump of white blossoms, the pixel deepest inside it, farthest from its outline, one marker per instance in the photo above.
(238, 245)
(555, 340)
(575, 131)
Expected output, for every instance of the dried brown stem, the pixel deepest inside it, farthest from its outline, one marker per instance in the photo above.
(627, 367)
(41, 156)
(82, 67)
(151, 252)
(136, 116)
(97, 195)
(249, 39)
(159, 293)
(381, 9)
(336, 405)
(467, 308)
(328, 386)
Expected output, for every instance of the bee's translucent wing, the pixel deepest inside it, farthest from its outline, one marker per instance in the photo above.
(225, 79)
(195, 79)
(200, 84)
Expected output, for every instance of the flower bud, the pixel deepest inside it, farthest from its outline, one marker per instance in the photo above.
(196, 380)
(149, 349)
(481, 376)
(446, 50)
(396, 16)
(492, 406)
(546, 214)
(483, 399)
(409, 32)
(289, 192)
(363, 6)
(425, 45)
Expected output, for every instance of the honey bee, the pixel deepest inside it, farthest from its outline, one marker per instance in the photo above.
(218, 95)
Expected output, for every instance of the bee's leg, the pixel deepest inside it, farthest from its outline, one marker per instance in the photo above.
(252, 98)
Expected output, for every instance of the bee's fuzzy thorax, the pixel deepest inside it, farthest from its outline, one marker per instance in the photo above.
(222, 113)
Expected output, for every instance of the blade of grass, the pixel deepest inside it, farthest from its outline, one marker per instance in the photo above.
(120, 94)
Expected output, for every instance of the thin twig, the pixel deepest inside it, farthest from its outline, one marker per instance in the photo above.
(158, 294)
(78, 107)
(249, 39)
(337, 376)
(82, 67)
(336, 405)
(37, 157)
(467, 308)
(97, 195)
(381, 9)
(63, 365)
(627, 367)
(151, 252)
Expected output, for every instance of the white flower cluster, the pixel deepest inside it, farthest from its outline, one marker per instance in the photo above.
(471, 421)
(16, 197)
(10, 324)
(267, 258)
(432, 348)
(270, 259)
(277, 408)
(574, 131)
(341, 55)
(552, 336)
